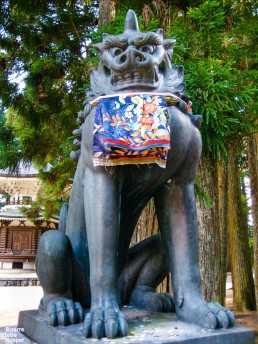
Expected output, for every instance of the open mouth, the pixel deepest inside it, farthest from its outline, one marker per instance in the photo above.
(146, 79)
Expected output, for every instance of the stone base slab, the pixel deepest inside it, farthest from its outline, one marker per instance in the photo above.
(144, 327)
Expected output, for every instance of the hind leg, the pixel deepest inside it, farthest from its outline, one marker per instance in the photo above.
(178, 224)
(145, 269)
(54, 264)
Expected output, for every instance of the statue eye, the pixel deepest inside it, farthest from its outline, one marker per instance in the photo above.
(115, 51)
(148, 48)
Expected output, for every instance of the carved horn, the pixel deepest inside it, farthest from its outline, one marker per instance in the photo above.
(131, 22)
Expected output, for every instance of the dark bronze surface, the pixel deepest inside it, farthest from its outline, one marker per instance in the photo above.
(88, 264)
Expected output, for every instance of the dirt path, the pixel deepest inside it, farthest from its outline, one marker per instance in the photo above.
(245, 318)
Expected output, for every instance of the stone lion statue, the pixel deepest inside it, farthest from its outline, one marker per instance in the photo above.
(136, 143)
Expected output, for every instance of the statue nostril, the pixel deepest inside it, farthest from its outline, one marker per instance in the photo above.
(140, 58)
(122, 58)
(131, 56)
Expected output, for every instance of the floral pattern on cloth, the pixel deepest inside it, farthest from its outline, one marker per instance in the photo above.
(131, 130)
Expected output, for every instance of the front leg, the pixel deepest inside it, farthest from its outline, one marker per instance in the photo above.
(101, 210)
(178, 224)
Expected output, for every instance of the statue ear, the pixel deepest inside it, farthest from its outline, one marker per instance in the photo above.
(104, 36)
(169, 46)
(160, 33)
(98, 47)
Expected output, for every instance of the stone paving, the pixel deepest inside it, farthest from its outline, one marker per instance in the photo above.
(13, 300)
(17, 274)
(18, 277)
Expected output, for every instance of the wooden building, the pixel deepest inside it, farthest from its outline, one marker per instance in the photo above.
(19, 237)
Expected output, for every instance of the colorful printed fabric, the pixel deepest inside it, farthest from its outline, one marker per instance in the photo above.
(131, 130)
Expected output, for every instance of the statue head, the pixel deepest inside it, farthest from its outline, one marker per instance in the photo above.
(136, 61)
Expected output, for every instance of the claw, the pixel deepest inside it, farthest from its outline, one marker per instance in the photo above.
(79, 310)
(123, 327)
(62, 317)
(111, 326)
(98, 324)
(71, 312)
(62, 313)
(53, 320)
(211, 320)
(223, 320)
(219, 311)
(155, 302)
(170, 299)
(165, 302)
(230, 316)
(87, 325)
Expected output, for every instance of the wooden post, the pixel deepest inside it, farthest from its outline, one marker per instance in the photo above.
(3, 233)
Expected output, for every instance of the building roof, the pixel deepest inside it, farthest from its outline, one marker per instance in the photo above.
(22, 170)
(12, 212)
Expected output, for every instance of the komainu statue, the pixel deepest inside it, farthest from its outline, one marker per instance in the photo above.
(136, 142)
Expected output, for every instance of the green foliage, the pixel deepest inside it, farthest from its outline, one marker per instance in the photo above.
(220, 99)
(10, 148)
(204, 199)
(43, 72)
(32, 213)
(215, 80)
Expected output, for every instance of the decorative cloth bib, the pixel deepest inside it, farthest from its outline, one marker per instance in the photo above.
(131, 129)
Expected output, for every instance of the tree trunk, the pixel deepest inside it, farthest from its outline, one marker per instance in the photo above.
(223, 231)
(243, 283)
(208, 222)
(106, 11)
(253, 171)
(147, 224)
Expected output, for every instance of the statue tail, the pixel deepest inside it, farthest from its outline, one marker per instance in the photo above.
(63, 217)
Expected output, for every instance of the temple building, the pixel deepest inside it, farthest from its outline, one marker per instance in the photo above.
(19, 236)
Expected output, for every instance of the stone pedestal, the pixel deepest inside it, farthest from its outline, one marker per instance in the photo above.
(144, 327)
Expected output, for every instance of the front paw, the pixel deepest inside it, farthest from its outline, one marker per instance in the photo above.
(103, 322)
(209, 315)
(225, 318)
(64, 312)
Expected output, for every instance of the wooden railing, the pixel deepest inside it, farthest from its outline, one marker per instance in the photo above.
(18, 202)
(6, 251)
(25, 252)
(29, 251)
